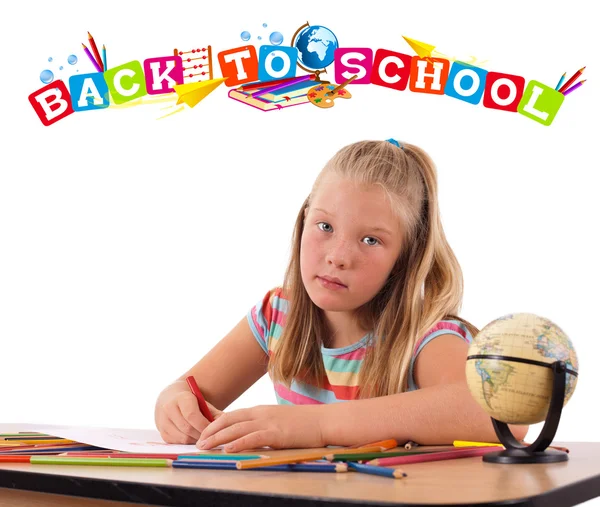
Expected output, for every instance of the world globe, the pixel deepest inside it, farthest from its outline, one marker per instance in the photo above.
(316, 45)
(506, 370)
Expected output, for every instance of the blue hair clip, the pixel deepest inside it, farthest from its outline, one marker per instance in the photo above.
(395, 143)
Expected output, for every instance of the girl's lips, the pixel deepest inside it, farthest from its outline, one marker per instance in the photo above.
(328, 284)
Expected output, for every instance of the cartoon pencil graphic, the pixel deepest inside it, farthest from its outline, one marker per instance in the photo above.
(95, 50)
(92, 59)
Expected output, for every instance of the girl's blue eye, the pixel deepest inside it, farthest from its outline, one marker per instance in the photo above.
(372, 244)
(323, 223)
(330, 229)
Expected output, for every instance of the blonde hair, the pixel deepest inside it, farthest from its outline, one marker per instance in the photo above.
(424, 286)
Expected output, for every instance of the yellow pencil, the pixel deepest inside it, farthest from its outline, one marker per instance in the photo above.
(464, 443)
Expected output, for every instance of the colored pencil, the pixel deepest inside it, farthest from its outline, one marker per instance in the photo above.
(43, 441)
(384, 444)
(234, 457)
(32, 437)
(364, 456)
(433, 456)
(282, 85)
(571, 80)
(201, 401)
(118, 455)
(104, 57)
(410, 444)
(284, 460)
(265, 84)
(296, 467)
(574, 87)
(394, 473)
(560, 81)
(131, 462)
(3, 435)
(464, 443)
(89, 55)
(95, 50)
(14, 459)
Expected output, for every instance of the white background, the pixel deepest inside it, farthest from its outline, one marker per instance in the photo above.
(130, 245)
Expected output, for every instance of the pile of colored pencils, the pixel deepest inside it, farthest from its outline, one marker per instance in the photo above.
(377, 458)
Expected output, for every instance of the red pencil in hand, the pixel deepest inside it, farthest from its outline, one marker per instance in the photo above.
(201, 402)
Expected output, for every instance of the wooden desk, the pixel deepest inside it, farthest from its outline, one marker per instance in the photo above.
(467, 481)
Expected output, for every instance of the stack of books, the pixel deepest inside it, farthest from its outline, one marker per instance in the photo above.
(277, 94)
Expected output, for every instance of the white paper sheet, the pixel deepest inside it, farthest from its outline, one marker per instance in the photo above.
(127, 440)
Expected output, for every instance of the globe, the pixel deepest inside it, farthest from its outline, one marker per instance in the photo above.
(501, 368)
(316, 45)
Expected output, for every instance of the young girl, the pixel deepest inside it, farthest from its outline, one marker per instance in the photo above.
(366, 316)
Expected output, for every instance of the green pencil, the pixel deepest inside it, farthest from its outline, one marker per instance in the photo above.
(123, 462)
(371, 455)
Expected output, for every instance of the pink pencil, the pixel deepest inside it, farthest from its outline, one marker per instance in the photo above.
(119, 455)
(433, 456)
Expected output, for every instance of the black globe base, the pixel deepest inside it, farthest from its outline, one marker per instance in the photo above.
(517, 453)
(522, 456)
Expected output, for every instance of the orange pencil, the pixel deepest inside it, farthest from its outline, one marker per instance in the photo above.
(571, 80)
(14, 459)
(285, 460)
(96, 52)
(384, 444)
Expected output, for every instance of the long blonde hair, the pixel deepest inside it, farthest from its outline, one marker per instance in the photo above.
(424, 286)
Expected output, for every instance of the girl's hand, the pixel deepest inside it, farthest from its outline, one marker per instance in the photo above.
(177, 415)
(276, 426)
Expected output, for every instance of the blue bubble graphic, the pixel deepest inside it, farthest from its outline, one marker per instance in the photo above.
(60, 68)
(259, 37)
(46, 76)
(50, 59)
(264, 25)
(276, 38)
(245, 35)
(72, 59)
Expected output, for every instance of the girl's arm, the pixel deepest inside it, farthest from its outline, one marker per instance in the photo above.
(230, 367)
(441, 411)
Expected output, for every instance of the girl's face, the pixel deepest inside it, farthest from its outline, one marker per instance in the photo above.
(350, 233)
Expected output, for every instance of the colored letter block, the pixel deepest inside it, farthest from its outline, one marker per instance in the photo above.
(162, 74)
(540, 102)
(503, 91)
(52, 102)
(390, 69)
(89, 91)
(126, 82)
(428, 75)
(353, 61)
(239, 65)
(277, 62)
(465, 82)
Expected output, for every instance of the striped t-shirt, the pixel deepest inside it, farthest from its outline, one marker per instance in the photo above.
(342, 365)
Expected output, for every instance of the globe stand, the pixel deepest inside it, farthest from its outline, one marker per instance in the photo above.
(537, 452)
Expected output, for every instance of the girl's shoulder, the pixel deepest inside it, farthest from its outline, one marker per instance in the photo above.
(449, 325)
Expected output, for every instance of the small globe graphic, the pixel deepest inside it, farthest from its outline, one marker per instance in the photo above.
(517, 392)
(316, 45)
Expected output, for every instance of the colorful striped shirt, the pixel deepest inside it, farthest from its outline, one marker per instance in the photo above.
(342, 365)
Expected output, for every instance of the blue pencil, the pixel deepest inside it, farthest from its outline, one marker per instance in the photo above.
(560, 82)
(394, 473)
(297, 467)
(104, 56)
